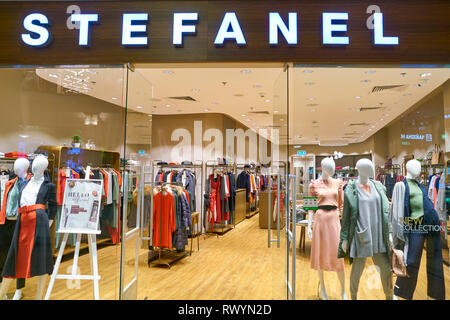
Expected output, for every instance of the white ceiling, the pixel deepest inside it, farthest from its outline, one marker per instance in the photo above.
(323, 103)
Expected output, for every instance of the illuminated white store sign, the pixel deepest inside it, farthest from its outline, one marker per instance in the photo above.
(136, 33)
(427, 137)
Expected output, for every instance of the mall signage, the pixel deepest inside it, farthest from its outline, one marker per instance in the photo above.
(135, 30)
(112, 32)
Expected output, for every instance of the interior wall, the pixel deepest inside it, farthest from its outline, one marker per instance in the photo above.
(202, 137)
(36, 112)
(427, 120)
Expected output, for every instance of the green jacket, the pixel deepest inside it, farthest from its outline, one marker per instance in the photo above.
(350, 217)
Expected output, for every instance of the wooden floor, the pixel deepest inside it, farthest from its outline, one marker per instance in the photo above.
(237, 265)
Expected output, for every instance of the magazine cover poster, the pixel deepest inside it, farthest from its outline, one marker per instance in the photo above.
(81, 206)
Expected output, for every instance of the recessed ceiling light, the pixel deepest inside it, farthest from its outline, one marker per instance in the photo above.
(370, 71)
(168, 72)
(275, 111)
(243, 115)
(168, 105)
(206, 110)
(357, 97)
(52, 75)
(427, 74)
(114, 98)
(310, 99)
(267, 100)
(256, 86)
(309, 83)
(365, 80)
(23, 136)
(195, 90)
(245, 71)
(307, 71)
(298, 146)
(213, 102)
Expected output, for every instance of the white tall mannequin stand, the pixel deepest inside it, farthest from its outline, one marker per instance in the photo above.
(92, 240)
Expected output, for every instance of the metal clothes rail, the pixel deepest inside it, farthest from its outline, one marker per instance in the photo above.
(224, 227)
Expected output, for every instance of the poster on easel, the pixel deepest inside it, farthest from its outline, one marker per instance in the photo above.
(81, 206)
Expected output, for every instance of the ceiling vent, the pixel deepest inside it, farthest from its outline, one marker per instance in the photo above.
(185, 98)
(396, 87)
(358, 124)
(333, 143)
(259, 112)
(369, 108)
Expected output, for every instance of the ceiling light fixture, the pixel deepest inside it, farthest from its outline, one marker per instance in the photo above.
(206, 110)
(139, 107)
(310, 99)
(267, 100)
(427, 74)
(168, 72)
(256, 86)
(309, 83)
(243, 115)
(168, 105)
(370, 71)
(213, 102)
(52, 75)
(195, 90)
(275, 111)
(365, 80)
(245, 71)
(357, 97)
(114, 98)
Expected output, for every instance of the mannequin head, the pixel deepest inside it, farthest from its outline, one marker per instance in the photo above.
(365, 170)
(40, 163)
(328, 167)
(21, 166)
(413, 169)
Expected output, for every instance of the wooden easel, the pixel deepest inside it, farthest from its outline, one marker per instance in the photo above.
(92, 241)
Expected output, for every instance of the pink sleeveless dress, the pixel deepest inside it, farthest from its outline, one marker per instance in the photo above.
(327, 227)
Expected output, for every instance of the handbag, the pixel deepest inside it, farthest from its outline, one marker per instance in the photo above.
(438, 155)
(398, 263)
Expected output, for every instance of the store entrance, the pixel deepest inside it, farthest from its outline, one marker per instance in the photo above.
(208, 143)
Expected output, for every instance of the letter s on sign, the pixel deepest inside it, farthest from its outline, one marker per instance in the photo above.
(373, 8)
(72, 9)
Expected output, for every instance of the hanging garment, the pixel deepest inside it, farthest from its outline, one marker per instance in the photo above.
(164, 223)
(216, 205)
(62, 177)
(243, 181)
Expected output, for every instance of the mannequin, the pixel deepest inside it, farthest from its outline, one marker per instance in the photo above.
(30, 253)
(325, 237)
(415, 221)
(365, 228)
(7, 226)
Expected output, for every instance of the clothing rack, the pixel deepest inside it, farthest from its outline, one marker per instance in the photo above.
(436, 169)
(170, 254)
(224, 227)
(59, 156)
(197, 167)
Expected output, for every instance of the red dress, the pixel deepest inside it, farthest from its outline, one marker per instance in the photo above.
(215, 206)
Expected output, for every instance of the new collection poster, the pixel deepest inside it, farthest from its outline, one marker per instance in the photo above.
(81, 206)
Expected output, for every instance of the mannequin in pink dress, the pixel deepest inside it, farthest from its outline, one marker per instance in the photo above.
(327, 227)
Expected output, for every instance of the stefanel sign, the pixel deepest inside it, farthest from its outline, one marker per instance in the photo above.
(299, 31)
(135, 31)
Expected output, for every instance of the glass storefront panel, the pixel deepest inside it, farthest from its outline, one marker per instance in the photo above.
(381, 124)
(192, 125)
(74, 117)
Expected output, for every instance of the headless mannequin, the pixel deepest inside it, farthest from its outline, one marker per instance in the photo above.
(328, 168)
(21, 166)
(39, 166)
(366, 170)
